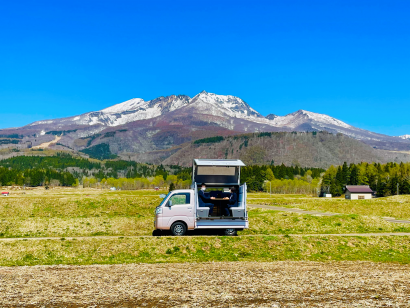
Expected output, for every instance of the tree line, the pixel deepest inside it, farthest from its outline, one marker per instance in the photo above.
(385, 179)
(256, 176)
(36, 177)
(66, 170)
(173, 181)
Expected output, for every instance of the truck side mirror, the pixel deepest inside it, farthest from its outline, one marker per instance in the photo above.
(169, 203)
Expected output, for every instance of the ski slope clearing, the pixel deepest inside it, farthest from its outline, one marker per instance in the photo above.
(45, 145)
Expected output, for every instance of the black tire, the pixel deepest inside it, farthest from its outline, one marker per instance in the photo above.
(178, 228)
(157, 232)
(230, 232)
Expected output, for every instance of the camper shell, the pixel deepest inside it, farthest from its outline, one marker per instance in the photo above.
(179, 211)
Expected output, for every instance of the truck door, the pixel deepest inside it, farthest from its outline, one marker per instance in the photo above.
(179, 207)
(195, 203)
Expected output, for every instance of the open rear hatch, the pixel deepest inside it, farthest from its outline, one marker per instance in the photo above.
(217, 171)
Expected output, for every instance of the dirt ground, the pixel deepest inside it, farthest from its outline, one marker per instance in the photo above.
(235, 284)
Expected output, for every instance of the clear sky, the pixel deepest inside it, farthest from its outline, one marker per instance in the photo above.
(348, 59)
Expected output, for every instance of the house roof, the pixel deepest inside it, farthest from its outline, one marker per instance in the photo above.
(219, 162)
(359, 189)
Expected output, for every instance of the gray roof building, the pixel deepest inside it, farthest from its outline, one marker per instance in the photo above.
(359, 189)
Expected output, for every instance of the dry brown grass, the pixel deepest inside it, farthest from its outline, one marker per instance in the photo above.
(246, 284)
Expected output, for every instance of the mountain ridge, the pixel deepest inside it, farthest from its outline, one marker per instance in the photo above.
(139, 126)
(404, 136)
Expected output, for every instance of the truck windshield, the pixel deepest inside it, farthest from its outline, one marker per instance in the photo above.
(163, 200)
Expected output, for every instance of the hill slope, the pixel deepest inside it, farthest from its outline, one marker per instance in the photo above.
(304, 149)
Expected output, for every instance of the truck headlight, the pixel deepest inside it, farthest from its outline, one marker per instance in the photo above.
(158, 210)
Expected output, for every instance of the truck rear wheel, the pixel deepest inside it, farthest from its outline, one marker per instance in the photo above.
(230, 232)
(178, 228)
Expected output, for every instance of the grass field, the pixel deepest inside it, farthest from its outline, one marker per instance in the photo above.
(394, 206)
(204, 249)
(89, 212)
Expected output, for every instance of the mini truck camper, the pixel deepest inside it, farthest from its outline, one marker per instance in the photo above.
(179, 211)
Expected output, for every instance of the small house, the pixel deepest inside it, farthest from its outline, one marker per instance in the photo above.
(358, 192)
(5, 193)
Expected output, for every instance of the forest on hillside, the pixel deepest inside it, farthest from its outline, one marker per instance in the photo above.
(306, 149)
(66, 170)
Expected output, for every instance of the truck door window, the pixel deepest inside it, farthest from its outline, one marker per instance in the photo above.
(179, 199)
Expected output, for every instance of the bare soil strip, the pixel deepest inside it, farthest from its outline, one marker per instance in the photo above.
(222, 284)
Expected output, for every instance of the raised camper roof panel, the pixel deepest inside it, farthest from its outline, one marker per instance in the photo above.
(217, 171)
(219, 162)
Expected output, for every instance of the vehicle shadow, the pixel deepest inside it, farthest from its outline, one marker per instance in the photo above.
(197, 232)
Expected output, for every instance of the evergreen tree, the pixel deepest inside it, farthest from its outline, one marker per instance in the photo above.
(354, 175)
(345, 174)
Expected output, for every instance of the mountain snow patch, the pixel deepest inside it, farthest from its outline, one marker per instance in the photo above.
(299, 117)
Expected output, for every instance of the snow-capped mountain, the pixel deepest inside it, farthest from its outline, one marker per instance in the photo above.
(227, 104)
(132, 110)
(303, 120)
(137, 109)
(300, 117)
(139, 126)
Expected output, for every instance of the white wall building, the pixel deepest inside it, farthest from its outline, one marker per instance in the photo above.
(358, 192)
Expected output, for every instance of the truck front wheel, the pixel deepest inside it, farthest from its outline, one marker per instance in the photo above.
(231, 232)
(178, 228)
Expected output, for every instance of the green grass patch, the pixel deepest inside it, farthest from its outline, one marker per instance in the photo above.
(204, 249)
(264, 221)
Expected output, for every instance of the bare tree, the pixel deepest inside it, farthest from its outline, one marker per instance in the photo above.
(54, 183)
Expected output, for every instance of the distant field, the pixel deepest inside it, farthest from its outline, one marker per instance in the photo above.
(67, 213)
(90, 212)
(394, 206)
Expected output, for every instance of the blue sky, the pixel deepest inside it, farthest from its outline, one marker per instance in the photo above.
(348, 59)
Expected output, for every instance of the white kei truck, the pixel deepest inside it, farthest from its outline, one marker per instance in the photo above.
(179, 211)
